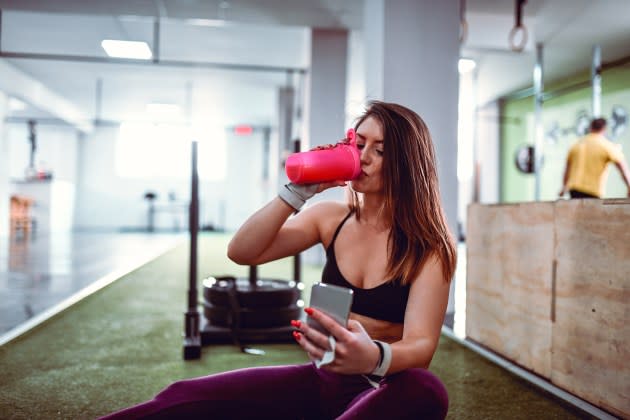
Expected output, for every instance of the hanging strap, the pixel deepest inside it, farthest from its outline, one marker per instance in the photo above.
(235, 320)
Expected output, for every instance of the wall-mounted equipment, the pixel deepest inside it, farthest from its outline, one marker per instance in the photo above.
(618, 121)
(524, 159)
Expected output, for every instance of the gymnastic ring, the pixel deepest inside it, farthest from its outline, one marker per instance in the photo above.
(513, 32)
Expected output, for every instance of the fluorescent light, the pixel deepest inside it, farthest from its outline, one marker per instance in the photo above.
(212, 23)
(16, 105)
(127, 49)
(465, 65)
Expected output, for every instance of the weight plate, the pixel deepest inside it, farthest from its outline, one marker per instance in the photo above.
(252, 317)
(264, 293)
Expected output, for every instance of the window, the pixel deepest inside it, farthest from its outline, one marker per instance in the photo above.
(146, 150)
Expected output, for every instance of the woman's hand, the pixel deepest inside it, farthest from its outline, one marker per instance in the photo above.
(323, 147)
(306, 191)
(325, 185)
(355, 352)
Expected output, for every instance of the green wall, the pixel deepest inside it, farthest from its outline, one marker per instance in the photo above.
(517, 124)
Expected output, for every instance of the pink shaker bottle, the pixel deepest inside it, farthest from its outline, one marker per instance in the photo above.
(339, 163)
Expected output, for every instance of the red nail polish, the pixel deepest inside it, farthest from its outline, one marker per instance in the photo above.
(296, 324)
(297, 335)
(309, 311)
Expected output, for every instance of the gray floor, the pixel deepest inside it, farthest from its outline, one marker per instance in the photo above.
(38, 272)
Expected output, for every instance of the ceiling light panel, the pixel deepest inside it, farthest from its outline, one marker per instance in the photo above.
(138, 50)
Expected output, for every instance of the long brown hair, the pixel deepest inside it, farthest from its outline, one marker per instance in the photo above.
(412, 195)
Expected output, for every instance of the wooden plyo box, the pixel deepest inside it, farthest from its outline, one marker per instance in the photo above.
(591, 332)
(548, 287)
(508, 286)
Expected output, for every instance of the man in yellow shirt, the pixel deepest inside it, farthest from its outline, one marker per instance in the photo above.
(587, 164)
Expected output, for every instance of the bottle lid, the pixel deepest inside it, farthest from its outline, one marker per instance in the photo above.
(351, 135)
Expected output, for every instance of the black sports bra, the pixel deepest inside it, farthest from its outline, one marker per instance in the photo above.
(386, 301)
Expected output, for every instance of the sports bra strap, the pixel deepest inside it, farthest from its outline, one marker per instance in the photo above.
(339, 228)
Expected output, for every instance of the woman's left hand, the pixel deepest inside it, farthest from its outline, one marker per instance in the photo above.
(355, 352)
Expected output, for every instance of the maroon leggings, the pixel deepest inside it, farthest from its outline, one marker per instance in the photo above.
(296, 392)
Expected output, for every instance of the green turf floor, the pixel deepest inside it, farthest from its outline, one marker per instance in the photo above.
(123, 344)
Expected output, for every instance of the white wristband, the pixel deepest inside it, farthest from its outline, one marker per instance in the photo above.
(296, 195)
(291, 198)
(386, 358)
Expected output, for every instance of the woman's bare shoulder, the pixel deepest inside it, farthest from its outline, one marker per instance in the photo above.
(327, 210)
(328, 215)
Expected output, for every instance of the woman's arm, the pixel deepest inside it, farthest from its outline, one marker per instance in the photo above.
(424, 317)
(269, 234)
(625, 174)
(263, 229)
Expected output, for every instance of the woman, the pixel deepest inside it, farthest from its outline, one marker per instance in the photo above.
(391, 245)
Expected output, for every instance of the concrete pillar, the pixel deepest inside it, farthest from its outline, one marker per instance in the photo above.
(325, 105)
(411, 55)
(286, 116)
(327, 93)
(412, 49)
(4, 169)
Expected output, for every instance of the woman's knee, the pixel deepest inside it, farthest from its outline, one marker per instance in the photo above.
(423, 387)
(176, 390)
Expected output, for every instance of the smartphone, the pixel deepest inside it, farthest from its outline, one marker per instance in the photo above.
(335, 301)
